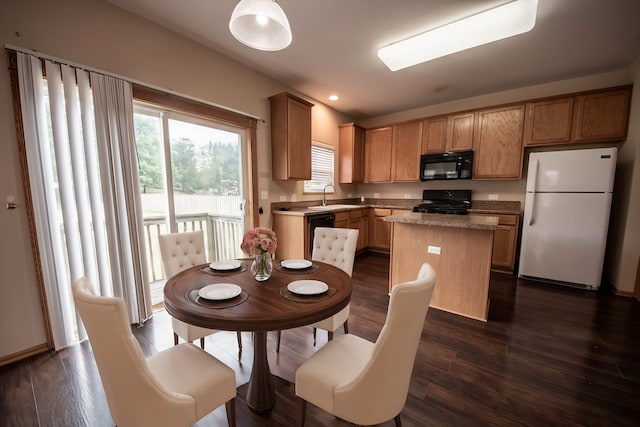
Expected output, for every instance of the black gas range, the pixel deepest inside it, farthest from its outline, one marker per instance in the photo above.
(444, 202)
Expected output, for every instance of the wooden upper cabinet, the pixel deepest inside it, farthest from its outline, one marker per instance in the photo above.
(377, 154)
(407, 146)
(350, 154)
(460, 132)
(434, 135)
(290, 137)
(448, 133)
(548, 122)
(497, 143)
(602, 116)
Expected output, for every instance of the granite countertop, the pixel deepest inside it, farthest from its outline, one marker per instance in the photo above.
(440, 220)
(495, 207)
(312, 208)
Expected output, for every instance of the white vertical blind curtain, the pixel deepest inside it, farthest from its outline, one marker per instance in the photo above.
(113, 103)
(86, 203)
(43, 184)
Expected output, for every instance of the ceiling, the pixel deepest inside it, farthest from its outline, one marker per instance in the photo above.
(335, 43)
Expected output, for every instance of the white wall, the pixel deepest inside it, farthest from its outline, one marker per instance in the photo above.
(623, 250)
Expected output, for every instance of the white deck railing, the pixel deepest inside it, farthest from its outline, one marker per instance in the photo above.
(222, 234)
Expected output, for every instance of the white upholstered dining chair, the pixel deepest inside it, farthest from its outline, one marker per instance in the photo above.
(335, 246)
(180, 251)
(173, 388)
(367, 383)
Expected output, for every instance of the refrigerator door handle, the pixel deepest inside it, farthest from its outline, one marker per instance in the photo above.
(533, 208)
(534, 176)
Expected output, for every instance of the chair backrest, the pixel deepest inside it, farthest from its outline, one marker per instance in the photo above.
(335, 246)
(180, 251)
(134, 395)
(380, 391)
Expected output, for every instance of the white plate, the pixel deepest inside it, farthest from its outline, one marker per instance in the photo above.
(220, 291)
(295, 264)
(307, 287)
(228, 264)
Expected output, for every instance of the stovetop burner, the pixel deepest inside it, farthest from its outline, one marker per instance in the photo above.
(445, 202)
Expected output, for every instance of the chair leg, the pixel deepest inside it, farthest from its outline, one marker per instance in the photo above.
(175, 339)
(398, 421)
(302, 412)
(329, 336)
(231, 412)
(239, 335)
(346, 327)
(202, 343)
(278, 341)
(315, 330)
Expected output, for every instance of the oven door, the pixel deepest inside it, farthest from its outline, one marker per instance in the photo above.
(439, 169)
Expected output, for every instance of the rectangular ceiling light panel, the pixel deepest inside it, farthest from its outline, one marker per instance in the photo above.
(498, 23)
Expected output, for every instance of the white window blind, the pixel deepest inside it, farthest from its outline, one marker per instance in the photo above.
(321, 168)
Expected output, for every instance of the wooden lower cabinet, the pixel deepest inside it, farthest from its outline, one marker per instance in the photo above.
(380, 230)
(505, 242)
(291, 231)
(293, 238)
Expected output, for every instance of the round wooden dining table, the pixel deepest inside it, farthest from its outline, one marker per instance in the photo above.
(260, 307)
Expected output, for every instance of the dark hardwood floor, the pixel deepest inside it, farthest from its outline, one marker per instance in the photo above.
(548, 356)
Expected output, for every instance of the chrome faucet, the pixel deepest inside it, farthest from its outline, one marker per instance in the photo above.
(324, 193)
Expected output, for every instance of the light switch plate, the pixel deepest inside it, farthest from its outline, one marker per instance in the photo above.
(433, 250)
(264, 195)
(493, 197)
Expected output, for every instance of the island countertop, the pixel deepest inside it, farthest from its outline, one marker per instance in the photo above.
(442, 220)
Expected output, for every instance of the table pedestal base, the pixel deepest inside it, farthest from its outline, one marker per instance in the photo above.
(261, 394)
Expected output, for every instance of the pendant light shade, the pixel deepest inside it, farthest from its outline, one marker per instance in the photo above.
(260, 24)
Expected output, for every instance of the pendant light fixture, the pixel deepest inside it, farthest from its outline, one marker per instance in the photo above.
(515, 17)
(260, 24)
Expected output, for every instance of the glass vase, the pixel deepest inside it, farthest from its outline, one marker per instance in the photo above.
(261, 267)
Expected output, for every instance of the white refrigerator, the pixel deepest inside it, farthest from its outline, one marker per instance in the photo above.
(566, 216)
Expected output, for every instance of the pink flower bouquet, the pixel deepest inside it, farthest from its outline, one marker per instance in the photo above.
(259, 241)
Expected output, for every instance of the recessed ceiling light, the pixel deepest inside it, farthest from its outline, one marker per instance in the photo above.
(504, 21)
(334, 98)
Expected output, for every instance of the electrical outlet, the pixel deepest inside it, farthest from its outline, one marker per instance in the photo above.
(376, 195)
(264, 195)
(283, 198)
(407, 196)
(493, 197)
(433, 250)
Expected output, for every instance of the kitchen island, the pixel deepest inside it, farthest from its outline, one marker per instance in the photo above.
(459, 247)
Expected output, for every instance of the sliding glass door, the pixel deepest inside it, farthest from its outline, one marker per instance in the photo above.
(192, 177)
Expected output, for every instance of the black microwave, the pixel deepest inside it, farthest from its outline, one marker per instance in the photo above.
(451, 165)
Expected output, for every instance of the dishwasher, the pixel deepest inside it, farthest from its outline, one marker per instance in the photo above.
(314, 221)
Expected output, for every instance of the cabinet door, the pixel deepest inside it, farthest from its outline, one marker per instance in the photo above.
(342, 220)
(290, 137)
(602, 116)
(434, 135)
(363, 237)
(504, 247)
(351, 154)
(377, 154)
(505, 240)
(379, 230)
(460, 132)
(407, 145)
(497, 142)
(548, 122)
